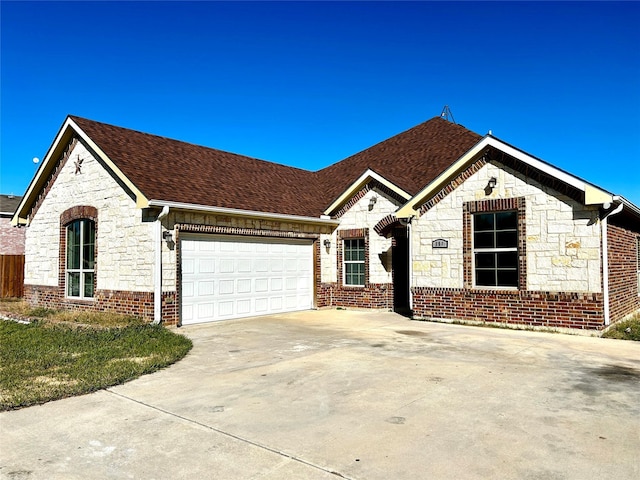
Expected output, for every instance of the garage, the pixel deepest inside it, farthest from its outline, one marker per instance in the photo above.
(234, 277)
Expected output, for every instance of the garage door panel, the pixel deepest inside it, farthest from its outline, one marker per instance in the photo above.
(262, 305)
(276, 284)
(231, 277)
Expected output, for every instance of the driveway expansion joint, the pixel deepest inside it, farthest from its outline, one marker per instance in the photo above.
(231, 435)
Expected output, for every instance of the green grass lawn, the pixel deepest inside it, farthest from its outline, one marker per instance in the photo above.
(63, 354)
(626, 330)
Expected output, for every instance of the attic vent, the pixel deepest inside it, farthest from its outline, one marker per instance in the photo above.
(447, 115)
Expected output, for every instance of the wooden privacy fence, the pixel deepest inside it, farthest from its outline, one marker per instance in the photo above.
(11, 276)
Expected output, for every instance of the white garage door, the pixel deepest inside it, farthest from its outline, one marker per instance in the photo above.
(232, 277)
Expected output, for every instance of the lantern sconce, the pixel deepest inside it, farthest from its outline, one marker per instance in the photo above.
(327, 243)
(493, 181)
(372, 202)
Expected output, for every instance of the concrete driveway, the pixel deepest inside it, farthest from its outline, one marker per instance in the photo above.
(347, 394)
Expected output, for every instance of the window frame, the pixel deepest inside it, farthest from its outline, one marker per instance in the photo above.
(469, 208)
(495, 250)
(347, 253)
(86, 267)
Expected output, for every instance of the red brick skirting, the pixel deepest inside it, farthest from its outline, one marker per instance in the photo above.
(373, 295)
(138, 304)
(536, 309)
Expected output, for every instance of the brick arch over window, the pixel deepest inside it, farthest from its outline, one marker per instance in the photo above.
(80, 212)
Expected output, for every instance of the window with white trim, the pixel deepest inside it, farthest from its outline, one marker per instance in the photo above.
(353, 259)
(80, 274)
(495, 249)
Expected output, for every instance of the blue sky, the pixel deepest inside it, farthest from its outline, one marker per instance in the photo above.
(307, 84)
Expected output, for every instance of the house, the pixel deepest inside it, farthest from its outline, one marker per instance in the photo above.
(11, 239)
(436, 222)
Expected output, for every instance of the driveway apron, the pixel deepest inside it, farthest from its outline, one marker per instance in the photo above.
(349, 394)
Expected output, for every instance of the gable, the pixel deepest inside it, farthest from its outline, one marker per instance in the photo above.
(490, 148)
(367, 181)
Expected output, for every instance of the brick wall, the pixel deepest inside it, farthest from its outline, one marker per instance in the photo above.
(11, 238)
(623, 272)
(530, 308)
(138, 304)
(372, 295)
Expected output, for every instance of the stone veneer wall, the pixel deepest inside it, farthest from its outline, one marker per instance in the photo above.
(357, 221)
(124, 242)
(560, 284)
(624, 297)
(562, 236)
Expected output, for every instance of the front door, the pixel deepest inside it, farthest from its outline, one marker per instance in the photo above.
(400, 264)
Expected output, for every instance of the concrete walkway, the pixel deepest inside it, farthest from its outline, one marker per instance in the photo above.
(347, 394)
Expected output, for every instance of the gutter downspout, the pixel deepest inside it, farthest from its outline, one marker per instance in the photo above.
(157, 295)
(605, 263)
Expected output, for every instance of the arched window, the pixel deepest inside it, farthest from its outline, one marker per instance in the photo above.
(80, 263)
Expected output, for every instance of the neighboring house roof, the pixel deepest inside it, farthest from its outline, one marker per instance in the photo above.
(9, 204)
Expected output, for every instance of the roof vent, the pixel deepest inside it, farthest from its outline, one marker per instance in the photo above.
(447, 115)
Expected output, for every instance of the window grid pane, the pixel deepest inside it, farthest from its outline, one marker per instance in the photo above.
(354, 256)
(81, 258)
(495, 243)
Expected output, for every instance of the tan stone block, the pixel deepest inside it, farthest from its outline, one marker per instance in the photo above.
(561, 261)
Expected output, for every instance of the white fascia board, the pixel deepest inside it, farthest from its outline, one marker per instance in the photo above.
(628, 205)
(51, 156)
(365, 178)
(17, 219)
(593, 195)
(141, 200)
(243, 213)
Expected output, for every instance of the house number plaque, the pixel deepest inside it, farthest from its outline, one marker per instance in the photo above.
(440, 243)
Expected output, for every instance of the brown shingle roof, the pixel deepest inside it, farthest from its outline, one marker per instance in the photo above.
(174, 171)
(411, 159)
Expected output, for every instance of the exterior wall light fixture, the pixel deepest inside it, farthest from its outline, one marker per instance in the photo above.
(492, 182)
(372, 202)
(327, 243)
